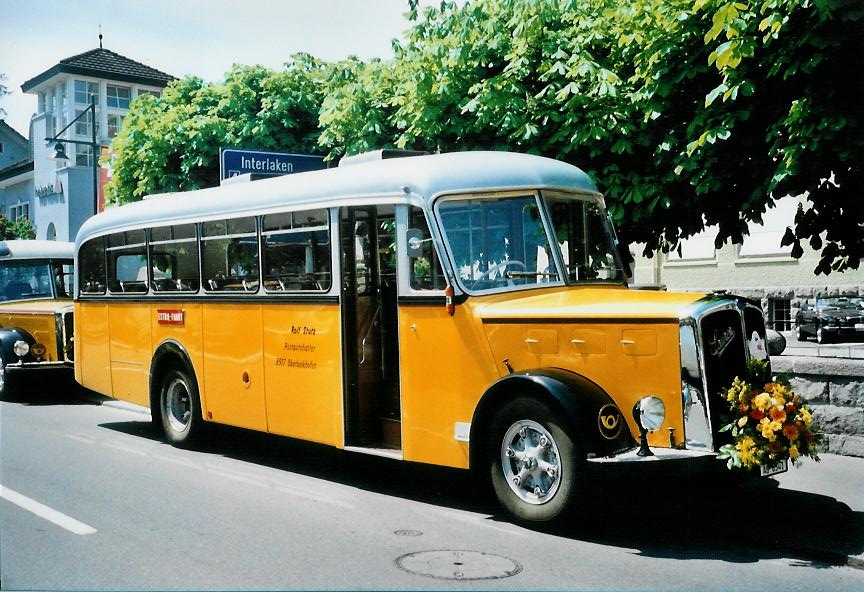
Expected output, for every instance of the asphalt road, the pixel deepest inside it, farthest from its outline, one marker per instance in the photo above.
(93, 499)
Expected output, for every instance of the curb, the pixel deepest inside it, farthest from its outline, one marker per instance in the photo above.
(126, 406)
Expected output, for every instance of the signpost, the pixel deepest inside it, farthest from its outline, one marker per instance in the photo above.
(233, 163)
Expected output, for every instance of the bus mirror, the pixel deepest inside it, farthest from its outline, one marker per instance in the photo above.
(414, 239)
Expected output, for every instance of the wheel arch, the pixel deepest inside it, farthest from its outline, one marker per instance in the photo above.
(578, 399)
(8, 337)
(169, 354)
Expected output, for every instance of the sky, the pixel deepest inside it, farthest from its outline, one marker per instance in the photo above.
(181, 37)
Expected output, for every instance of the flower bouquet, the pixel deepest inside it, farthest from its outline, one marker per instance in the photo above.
(769, 423)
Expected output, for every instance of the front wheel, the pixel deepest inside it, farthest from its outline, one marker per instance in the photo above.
(5, 390)
(536, 465)
(799, 334)
(180, 408)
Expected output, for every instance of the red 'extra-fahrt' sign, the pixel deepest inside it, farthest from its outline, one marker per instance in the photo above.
(170, 316)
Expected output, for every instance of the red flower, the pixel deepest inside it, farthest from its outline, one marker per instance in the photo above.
(790, 408)
(809, 437)
(791, 432)
(757, 414)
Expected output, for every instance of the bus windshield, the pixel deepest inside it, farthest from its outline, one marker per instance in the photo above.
(505, 243)
(31, 279)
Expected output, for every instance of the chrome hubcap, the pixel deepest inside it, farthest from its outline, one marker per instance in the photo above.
(178, 408)
(531, 462)
(2, 375)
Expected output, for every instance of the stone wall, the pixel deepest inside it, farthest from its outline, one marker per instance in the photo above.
(835, 389)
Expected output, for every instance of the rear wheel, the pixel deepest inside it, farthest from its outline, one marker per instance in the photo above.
(799, 334)
(535, 464)
(180, 408)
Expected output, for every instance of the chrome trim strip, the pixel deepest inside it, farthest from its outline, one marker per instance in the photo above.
(660, 454)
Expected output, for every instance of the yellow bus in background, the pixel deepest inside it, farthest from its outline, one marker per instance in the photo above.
(36, 326)
(468, 310)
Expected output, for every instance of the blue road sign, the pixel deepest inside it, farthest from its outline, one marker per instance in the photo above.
(233, 162)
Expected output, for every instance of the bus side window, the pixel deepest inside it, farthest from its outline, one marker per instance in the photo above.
(425, 269)
(296, 251)
(91, 267)
(174, 258)
(229, 255)
(127, 263)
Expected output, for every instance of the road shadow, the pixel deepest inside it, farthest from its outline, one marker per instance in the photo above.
(51, 388)
(681, 518)
(741, 524)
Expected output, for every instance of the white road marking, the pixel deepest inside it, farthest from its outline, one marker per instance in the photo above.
(43, 511)
(80, 438)
(188, 464)
(314, 497)
(236, 476)
(127, 449)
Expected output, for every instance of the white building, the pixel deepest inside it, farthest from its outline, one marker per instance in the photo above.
(759, 267)
(60, 196)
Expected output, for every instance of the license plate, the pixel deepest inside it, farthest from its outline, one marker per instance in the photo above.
(859, 326)
(780, 467)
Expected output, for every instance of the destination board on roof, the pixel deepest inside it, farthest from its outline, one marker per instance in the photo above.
(234, 162)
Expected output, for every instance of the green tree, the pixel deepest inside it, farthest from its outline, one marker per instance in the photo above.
(171, 143)
(19, 229)
(686, 114)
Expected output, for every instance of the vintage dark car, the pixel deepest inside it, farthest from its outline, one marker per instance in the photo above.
(830, 319)
(36, 282)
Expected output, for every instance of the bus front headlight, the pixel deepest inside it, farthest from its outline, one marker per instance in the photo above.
(650, 412)
(21, 348)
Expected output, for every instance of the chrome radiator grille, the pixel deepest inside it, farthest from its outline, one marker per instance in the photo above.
(725, 354)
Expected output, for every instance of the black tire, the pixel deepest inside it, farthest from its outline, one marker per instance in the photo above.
(537, 419)
(180, 408)
(799, 334)
(6, 388)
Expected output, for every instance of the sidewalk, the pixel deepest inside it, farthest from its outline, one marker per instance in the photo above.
(849, 349)
(820, 509)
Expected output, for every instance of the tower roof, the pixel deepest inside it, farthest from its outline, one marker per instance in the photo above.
(103, 63)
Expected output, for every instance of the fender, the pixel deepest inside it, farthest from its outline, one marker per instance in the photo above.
(595, 418)
(8, 337)
(171, 348)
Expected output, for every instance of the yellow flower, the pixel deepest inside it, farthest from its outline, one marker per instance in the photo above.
(746, 451)
(762, 401)
(779, 399)
(742, 422)
(768, 427)
(805, 416)
(738, 390)
(793, 452)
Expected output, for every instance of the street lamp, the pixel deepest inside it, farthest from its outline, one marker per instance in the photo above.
(60, 149)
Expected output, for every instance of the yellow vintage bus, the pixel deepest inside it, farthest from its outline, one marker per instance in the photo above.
(35, 310)
(468, 310)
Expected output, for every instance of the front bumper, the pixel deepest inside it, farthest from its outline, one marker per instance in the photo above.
(25, 366)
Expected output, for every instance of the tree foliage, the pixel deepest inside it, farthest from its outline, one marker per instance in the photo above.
(19, 229)
(687, 114)
(171, 143)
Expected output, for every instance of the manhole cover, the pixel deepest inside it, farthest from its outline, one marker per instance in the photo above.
(408, 533)
(458, 565)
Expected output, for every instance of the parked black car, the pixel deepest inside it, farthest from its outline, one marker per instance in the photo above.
(829, 319)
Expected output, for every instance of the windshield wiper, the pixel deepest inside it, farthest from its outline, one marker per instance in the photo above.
(518, 274)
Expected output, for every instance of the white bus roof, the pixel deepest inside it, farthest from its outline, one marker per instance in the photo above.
(36, 249)
(424, 177)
